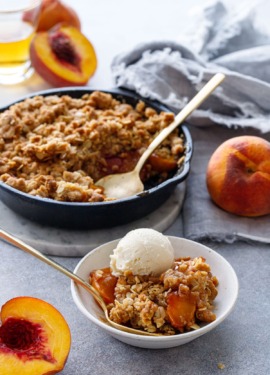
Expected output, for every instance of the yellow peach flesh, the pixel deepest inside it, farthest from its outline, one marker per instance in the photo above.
(42, 56)
(54, 328)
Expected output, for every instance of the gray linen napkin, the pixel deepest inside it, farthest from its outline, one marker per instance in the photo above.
(201, 218)
(171, 73)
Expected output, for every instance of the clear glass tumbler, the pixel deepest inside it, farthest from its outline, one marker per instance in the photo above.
(18, 22)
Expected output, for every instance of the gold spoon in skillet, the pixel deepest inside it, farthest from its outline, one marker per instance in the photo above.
(23, 246)
(122, 185)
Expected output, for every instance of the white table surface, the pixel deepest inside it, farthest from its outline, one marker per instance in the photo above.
(242, 341)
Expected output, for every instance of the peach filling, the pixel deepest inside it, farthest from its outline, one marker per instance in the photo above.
(172, 303)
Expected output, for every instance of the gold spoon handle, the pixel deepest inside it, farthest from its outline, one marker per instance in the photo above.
(23, 246)
(210, 86)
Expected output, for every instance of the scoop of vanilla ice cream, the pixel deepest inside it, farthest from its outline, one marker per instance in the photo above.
(143, 252)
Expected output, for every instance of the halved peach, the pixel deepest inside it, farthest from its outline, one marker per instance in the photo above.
(63, 56)
(34, 338)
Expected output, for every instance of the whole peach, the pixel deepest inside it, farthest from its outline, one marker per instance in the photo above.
(54, 12)
(238, 176)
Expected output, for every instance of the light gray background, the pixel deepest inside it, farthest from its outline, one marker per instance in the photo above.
(241, 342)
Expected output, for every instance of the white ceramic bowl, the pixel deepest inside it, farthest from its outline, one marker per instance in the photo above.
(227, 293)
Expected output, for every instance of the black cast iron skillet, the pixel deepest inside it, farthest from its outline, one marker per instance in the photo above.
(76, 215)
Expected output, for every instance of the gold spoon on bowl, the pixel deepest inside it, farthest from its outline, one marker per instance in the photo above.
(122, 185)
(23, 246)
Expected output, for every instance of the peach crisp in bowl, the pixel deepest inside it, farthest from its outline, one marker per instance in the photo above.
(166, 285)
(56, 144)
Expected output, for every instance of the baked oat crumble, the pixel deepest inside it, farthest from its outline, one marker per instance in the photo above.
(177, 301)
(58, 146)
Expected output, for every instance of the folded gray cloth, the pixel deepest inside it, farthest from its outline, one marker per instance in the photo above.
(172, 73)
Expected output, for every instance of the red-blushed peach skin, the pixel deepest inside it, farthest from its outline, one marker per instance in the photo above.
(54, 12)
(238, 176)
(35, 338)
(55, 69)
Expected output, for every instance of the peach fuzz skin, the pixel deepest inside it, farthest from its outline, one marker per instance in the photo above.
(238, 176)
(54, 12)
(35, 338)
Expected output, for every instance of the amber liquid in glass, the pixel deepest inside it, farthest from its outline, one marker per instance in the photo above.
(15, 39)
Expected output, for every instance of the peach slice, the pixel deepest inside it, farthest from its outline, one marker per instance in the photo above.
(181, 310)
(161, 164)
(104, 282)
(63, 56)
(34, 338)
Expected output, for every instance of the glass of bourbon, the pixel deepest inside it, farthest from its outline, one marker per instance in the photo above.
(18, 22)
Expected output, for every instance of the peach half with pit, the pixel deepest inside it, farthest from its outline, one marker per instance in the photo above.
(238, 176)
(35, 338)
(63, 56)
